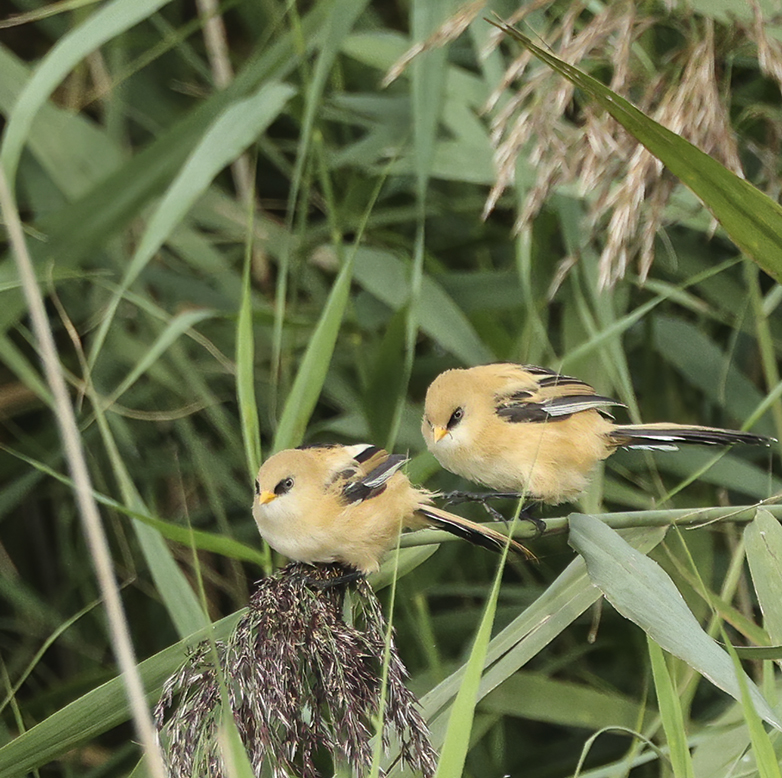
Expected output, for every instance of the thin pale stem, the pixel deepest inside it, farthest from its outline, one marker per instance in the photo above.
(82, 485)
(683, 517)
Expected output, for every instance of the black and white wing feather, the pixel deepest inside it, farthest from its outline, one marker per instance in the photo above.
(548, 396)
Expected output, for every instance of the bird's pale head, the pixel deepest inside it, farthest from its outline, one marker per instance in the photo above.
(284, 484)
(451, 411)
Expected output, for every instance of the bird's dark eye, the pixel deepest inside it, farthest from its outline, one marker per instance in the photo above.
(456, 417)
(284, 486)
(257, 487)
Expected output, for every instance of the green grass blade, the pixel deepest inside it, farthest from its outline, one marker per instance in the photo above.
(315, 364)
(106, 23)
(752, 219)
(642, 592)
(72, 149)
(179, 325)
(670, 712)
(766, 760)
(339, 18)
(757, 653)
(457, 735)
(245, 372)
(386, 277)
(99, 710)
(562, 602)
(79, 230)
(200, 539)
(237, 763)
(311, 375)
(528, 634)
(229, 135)
(14, 359)
(174, 589)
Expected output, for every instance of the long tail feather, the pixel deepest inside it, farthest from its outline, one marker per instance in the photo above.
(666, 437)
(477, 534)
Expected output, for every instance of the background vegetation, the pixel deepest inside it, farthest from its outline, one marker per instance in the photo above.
(199, 333)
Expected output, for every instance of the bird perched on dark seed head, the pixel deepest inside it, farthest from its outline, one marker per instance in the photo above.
(530, 430)
(348, 504)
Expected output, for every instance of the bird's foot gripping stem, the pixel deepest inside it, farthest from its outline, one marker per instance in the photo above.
(346, 576)
(526, 513)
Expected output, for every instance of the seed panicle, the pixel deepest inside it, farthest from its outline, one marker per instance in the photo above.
(302, 674)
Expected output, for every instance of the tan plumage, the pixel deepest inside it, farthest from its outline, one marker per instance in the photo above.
(348, 504)
(525, 429)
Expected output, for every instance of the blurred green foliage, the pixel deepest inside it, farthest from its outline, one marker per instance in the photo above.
(186, 321)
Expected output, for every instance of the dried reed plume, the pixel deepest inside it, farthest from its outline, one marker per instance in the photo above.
(568, 144)
(302, 680)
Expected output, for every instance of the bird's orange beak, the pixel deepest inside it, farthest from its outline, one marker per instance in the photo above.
(266, 497)
(438, 433)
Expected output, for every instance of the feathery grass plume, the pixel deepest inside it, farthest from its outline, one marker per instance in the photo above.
(592, 151)
(451, 29)
(686, 93)
(302, 674)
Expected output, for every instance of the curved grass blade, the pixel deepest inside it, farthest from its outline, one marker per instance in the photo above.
(187, 536)
(670, 712)
(98, 710)
(229, 135)
(109, 21)
(751, 219)
(766, 760)
(456, 743)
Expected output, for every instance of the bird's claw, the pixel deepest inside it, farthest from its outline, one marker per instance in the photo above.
(340, 580)
(526, 513)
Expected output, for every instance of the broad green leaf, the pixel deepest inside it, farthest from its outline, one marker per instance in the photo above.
(751, 219)
(538, 697)
(107, 22)
(723, 747)
(642, 592)
(230, 134)
(386, 277)
(763, 538)
(529, 633)
(70, 147)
